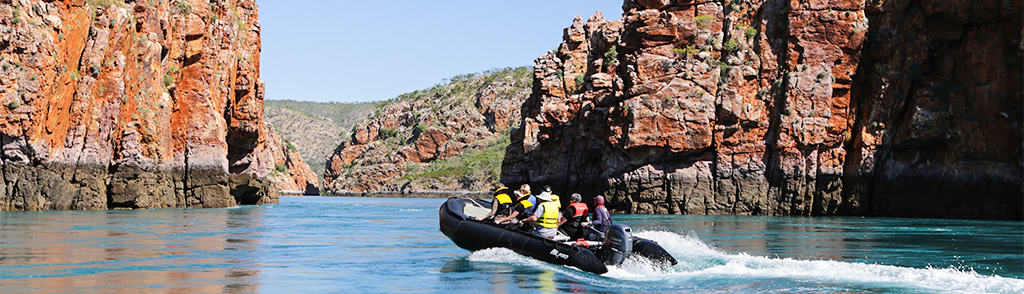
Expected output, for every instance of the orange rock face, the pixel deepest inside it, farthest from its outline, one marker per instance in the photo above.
(390, 150)
(136, 105)
(893, 108)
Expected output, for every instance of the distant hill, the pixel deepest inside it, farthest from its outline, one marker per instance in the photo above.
(315, 128)
(449, 137)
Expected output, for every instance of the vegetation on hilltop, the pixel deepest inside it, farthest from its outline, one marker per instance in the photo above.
(482, 165)
(314, 128)
(474, 111)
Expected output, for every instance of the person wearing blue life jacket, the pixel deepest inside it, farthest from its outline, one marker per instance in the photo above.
(525, 204)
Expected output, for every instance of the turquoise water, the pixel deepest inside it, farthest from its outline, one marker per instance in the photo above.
(319, 244)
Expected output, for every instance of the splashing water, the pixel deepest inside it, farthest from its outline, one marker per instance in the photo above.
(699, 263)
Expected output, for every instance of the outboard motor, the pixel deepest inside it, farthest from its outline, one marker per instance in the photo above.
(618, 244)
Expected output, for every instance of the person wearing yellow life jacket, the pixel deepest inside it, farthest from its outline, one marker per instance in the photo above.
(501, 205)
(553, 197)
(525, 204)
(545, 217)
(575, 217)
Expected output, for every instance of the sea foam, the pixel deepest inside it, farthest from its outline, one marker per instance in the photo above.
(700, 262)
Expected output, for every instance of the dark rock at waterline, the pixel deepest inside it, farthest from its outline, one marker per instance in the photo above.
(89, 187)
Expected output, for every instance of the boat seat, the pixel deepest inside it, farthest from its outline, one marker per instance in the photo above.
(475, 210)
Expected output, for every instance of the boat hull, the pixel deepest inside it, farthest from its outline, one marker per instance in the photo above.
(473, 235)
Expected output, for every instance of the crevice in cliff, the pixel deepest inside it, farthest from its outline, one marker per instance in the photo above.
(186, 190)
(856, 196)
(777, 27)
(719, 96)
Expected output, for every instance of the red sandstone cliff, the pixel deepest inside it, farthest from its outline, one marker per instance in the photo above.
(450, 137)
(137, 104)
(894, 108)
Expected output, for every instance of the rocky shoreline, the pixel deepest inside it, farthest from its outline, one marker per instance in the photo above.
(64, 187)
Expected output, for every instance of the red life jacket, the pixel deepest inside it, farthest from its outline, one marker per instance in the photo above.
(581, 212)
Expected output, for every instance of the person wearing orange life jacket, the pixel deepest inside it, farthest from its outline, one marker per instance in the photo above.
(574, 218)
(501, 205)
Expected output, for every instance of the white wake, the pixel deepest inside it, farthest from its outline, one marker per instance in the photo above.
(698, 261)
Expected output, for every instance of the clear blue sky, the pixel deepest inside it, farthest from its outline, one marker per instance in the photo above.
(349, 51)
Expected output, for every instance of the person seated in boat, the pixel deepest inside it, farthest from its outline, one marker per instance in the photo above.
(552, 196)
(501, 205)
(525, 204)
(602, 219)
(545, 217)
(575, 217)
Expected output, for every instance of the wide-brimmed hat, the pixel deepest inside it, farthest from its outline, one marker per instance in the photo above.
(546, 196)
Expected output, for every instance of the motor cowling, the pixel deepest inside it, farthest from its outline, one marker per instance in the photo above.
(618, 244)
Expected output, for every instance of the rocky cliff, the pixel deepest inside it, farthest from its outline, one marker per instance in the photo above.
(131, 104)
(449, 137)
(289, 173)
(799, 107)
(315, 128)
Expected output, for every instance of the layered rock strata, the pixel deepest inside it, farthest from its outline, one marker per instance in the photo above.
(852, 107)
(451, 137)
(131, 104)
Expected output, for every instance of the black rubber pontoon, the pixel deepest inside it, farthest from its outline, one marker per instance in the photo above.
(473, 235)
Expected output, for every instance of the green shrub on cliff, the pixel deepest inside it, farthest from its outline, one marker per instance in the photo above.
(181, 7)
(13, 104)
(472, 165)
(750, 32)
(104, 3)
(685, 52)
(168, 80)
(702, 21)
(611, 56)
(388, 133)
(731, 45)
(580, 84)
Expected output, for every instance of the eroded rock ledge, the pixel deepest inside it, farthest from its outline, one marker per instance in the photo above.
(886, 108)
(134, 104)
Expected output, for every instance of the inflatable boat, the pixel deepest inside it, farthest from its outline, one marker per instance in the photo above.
(457, 220)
